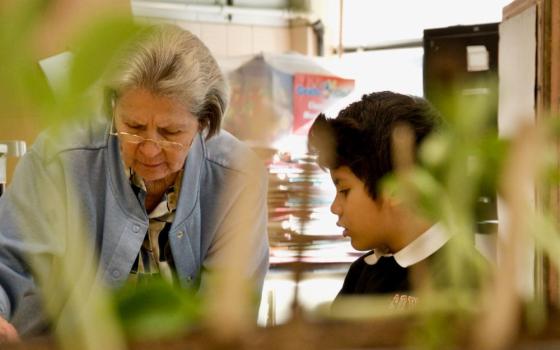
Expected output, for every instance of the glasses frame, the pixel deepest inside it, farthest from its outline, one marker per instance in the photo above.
(163, 144)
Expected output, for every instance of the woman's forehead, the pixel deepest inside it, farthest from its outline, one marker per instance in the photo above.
(143, 107)
(163, 121)
(143, 98)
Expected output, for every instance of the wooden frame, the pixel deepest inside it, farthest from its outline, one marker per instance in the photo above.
(547, 105)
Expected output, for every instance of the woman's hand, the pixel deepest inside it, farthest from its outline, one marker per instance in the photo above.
(8, 333)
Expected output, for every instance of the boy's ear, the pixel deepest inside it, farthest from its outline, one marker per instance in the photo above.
(390, 198)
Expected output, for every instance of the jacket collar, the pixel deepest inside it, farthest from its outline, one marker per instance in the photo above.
(190, 188)
(123, 192)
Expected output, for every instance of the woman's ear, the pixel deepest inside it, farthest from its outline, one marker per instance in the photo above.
(109, 101)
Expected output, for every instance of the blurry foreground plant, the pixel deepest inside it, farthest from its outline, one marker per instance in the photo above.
(462, 163)
(84, 317)
(157, 309)
(81, 308)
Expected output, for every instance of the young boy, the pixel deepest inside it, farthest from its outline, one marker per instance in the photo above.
(356, 148)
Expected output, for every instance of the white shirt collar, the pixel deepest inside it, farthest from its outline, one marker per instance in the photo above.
(422, 247)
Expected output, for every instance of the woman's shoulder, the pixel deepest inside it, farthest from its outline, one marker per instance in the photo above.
(225, 150)
(77, 135)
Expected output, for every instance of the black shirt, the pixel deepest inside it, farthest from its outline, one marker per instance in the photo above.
(386, 276)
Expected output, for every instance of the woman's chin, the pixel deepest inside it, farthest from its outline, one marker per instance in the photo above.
(152, 174)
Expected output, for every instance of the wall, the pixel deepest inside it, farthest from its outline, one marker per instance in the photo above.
(226, 40)
(373, 23)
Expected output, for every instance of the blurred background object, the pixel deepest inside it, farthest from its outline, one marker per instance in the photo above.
(465, 57)
(274, 97)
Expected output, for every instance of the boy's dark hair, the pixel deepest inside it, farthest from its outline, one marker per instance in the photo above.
(360, 137)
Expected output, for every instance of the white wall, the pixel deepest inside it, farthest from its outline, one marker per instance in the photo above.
(371, 22)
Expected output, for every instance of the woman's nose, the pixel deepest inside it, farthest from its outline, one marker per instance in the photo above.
(149, 148)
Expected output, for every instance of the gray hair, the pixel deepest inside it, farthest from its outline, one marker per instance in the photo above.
(170, 61)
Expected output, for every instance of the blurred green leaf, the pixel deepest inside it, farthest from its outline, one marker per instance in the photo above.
(157, 309)
(434, 152)
(96, 47)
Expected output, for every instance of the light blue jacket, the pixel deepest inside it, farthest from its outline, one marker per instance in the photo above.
(62, 187)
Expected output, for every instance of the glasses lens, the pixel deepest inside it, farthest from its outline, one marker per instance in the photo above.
(135, 140)
(171, 146)
(130, 138)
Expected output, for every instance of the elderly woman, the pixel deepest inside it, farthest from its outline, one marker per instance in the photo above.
(156, 186)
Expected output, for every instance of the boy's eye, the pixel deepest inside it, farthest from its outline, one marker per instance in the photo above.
(344, 192)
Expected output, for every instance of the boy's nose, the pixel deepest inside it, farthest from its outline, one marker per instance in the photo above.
(336, 209)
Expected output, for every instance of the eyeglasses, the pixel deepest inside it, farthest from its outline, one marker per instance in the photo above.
(137, 139)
